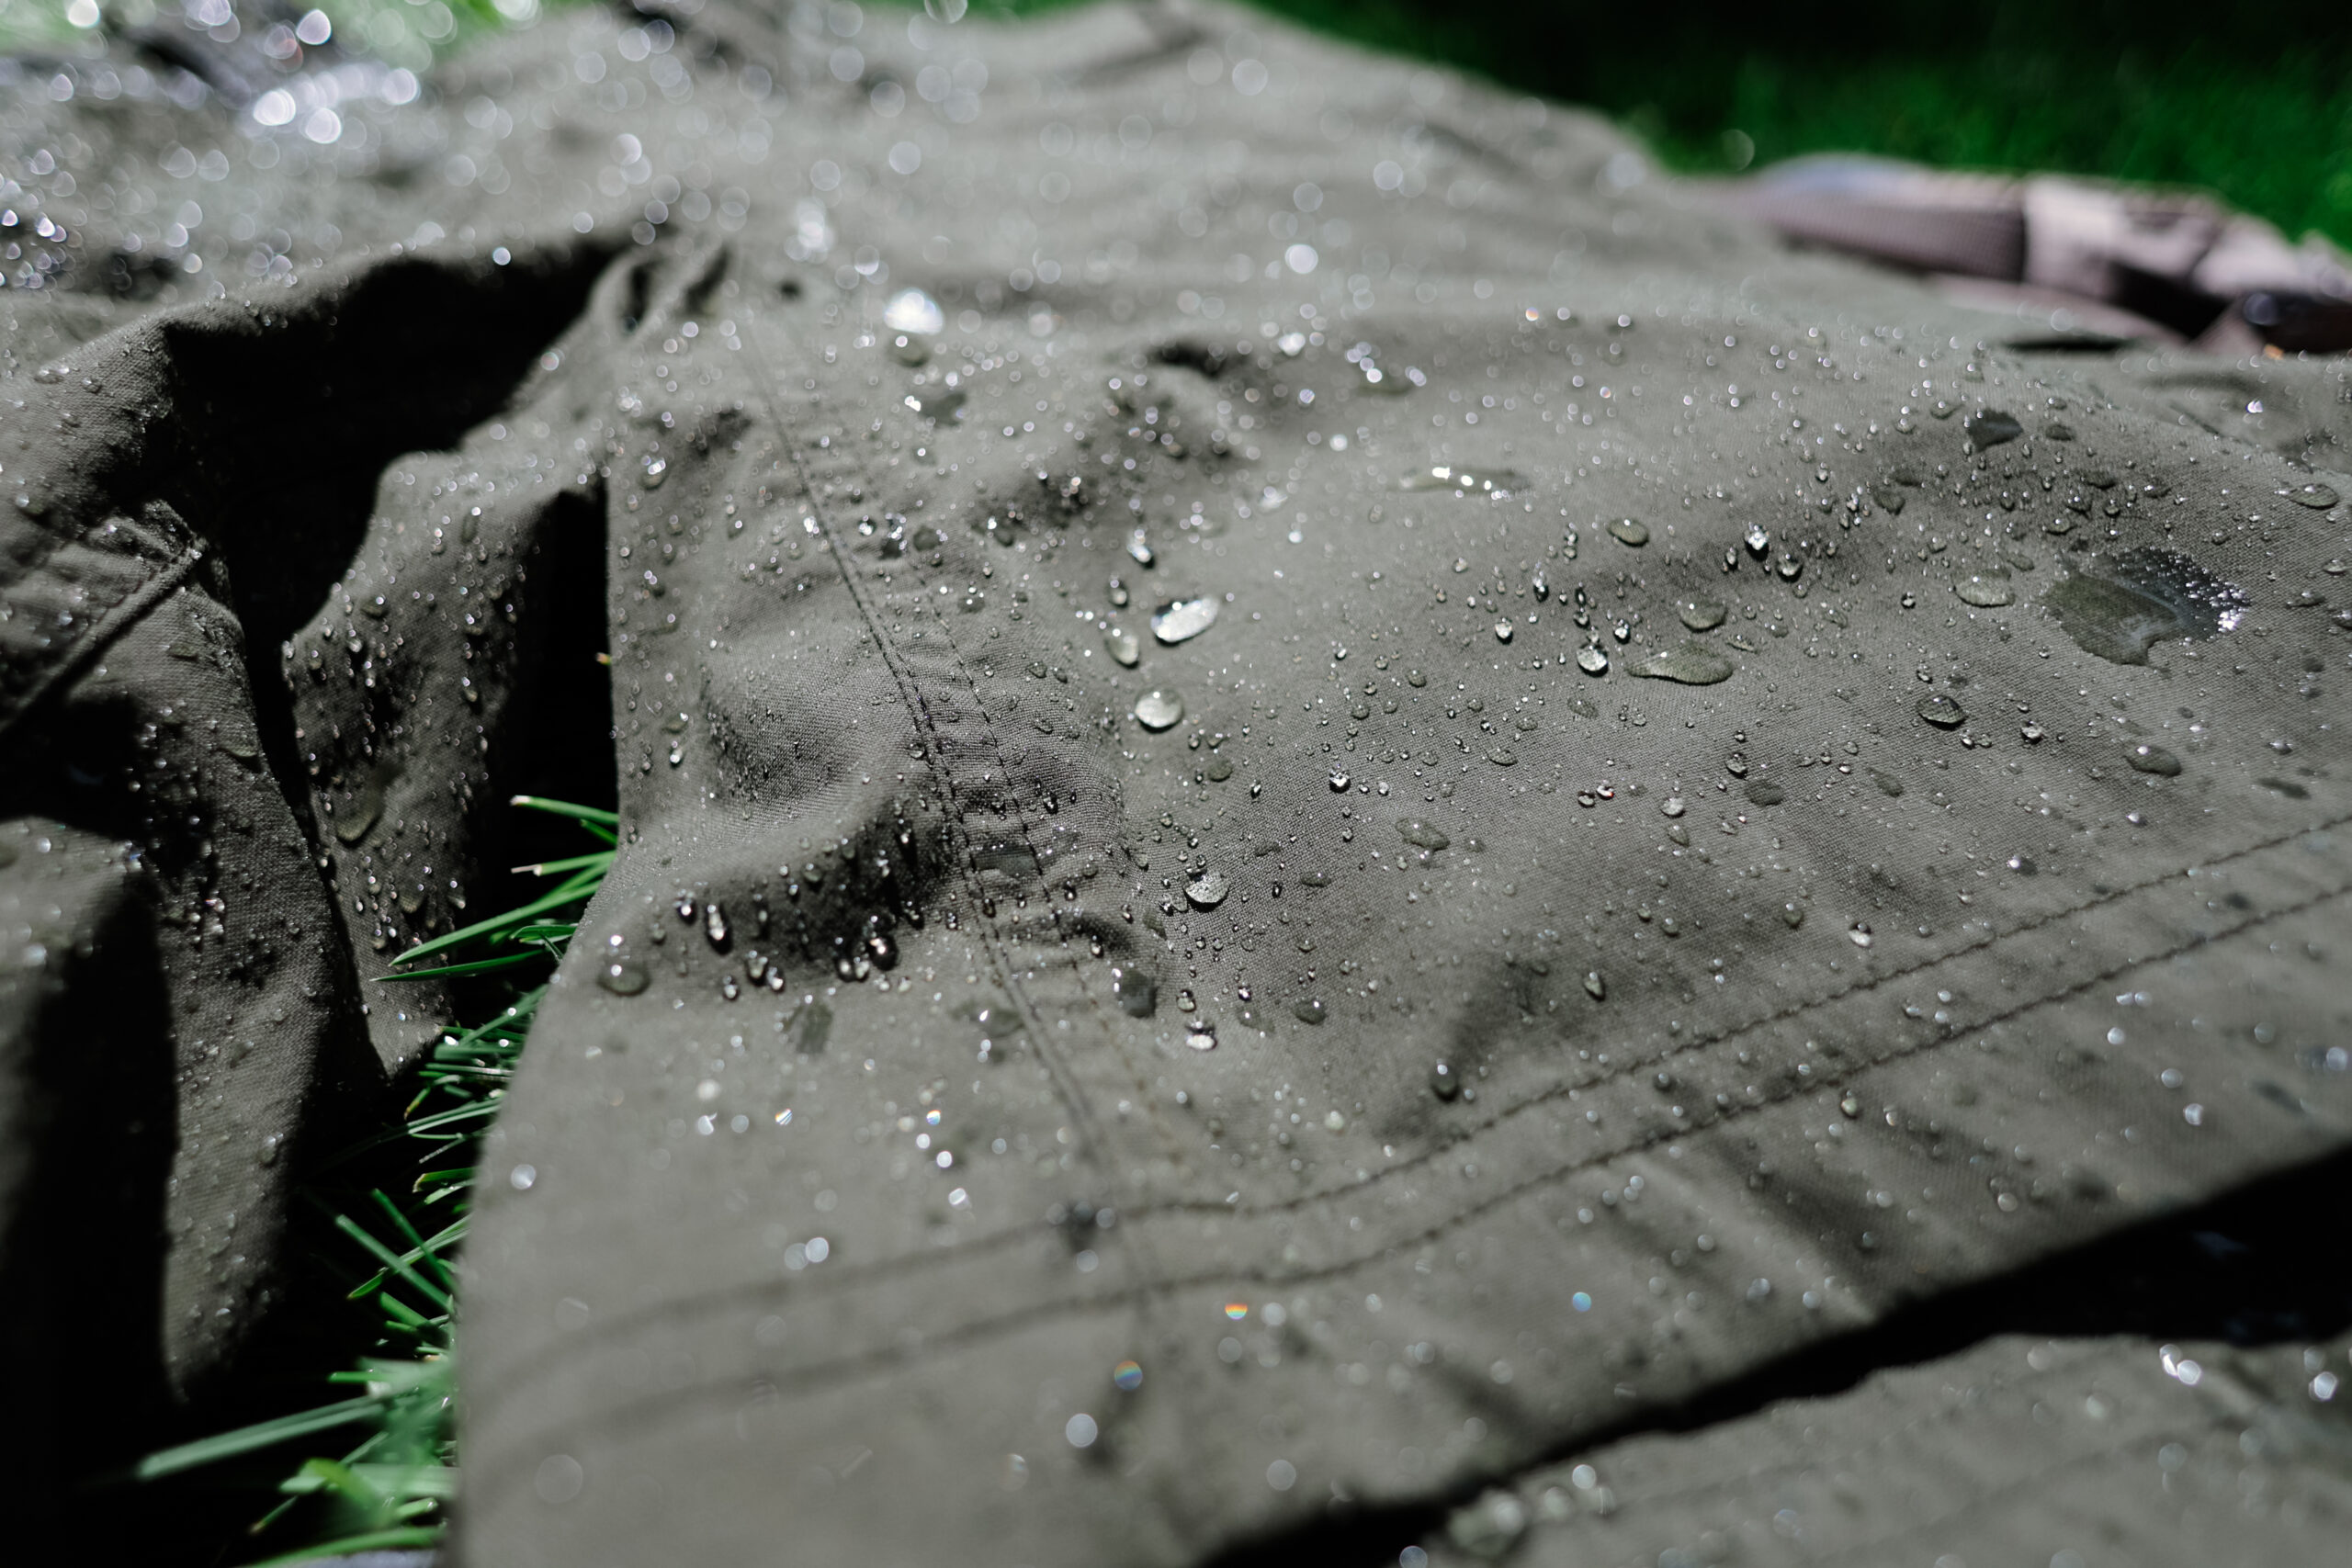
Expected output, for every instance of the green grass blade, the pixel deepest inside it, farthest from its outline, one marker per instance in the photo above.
(261, 1435)
(582, 814)
(480, 966)
(351, 1545)
(393, 1261)
(574, 890)
(602, 860)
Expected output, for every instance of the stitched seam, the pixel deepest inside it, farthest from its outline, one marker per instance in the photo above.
(819, 1373)
(910, 696)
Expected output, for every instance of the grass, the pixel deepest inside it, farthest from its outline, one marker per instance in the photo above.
(389, 1482)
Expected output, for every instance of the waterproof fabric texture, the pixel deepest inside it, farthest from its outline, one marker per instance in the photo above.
(1371, 802)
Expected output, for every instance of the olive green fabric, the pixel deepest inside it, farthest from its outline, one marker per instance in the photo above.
(977, 1123)
(2072, 1453)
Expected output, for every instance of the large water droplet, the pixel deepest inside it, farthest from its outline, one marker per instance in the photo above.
(1990, 427)
(1423, 835)
(1692, 664)
(2318, 497)
(620, 973)
(912, 310)
(2118, 607)
(1592, 658)
(1159, 709)
(1135, 993)
(1207, 890)
(2148, 759)
(1629, 531)
(1124, 647)
(1180, 619)
(1984, 593)
(1702, 614)
(1942, 712)
(1309, 1012)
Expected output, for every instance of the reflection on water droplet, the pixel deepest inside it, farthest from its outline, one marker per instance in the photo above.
(912, 310)
(1159, 709)
(1124, 647)
(1595, 986)
(1423, 835)
(1793, 915)
(1444, 1082)
(1702, 614)
(1180, 619)
(1691, 664)
(1592, 658)
(1629, 531)
(1137, 994)
(1990, 427)
(1942, 712)
(1984, 593)
(621, 975)
(1339, 782)
(1309, 1012)
(2118, 607)
(1207, 890)
(2318, 497)
(2156, 759)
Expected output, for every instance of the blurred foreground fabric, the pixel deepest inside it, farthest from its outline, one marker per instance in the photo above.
(1338, 813)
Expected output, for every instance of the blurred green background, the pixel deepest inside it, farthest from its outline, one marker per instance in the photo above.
(2252, 102)
(2248, 99)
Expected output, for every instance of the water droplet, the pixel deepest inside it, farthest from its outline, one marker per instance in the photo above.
(1502, 755)
(1423, 835)
(1629, 531)
(1592, 658)
(1984, 593)
(621, 975)
(1942, 712)
(1159, 709)
(1757, 540)
(2147, 758)
(714, 925)
(1990, 427)
(1503, 629)
(1180, 619)
(1339, 782)
(656, 471)
(1793, 915)
(1135, 993)
(1124, 647)
(1444, 1082)
(1764, 791)
(2318, 497)
(1309, 1012)
(1594, 986)
(1702, 614)
(912, 310)
(1207, 890)
(2118, 607)
(1139, 548)
(1691, 664)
